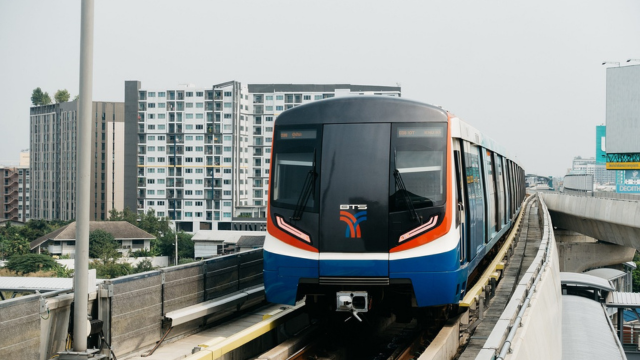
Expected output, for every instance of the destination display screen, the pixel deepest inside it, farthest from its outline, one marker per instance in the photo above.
(296, 134)
(421, 132)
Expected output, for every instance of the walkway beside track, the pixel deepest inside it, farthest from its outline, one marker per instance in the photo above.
(526, 248)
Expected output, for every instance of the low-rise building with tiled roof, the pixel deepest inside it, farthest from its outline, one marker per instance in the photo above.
(63, 240)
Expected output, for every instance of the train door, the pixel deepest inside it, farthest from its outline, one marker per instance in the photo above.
(354, 206)
(461, 200)
(493, 224)
(475, 211)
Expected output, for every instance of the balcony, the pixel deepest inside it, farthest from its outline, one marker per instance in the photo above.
(175, 161)
(178, 151)
(174, 194)
(213, 195)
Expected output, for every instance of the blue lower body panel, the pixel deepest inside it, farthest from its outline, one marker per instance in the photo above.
(437, 279)
(351, 268)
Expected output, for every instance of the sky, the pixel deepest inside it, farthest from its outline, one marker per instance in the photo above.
(527, 74)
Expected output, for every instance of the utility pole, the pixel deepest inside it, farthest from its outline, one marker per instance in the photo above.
(83, 179)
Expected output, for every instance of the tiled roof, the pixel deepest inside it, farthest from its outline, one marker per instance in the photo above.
(120, 230)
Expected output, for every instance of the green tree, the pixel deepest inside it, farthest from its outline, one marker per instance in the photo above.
(46, 99)
(144, 265)
(37, 97)
(29, 263)
(61, 96)
(166, 245)
(103, 246)
(110, 270)
(17, 246)
(124, 215)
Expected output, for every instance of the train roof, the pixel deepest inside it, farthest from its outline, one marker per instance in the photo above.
(461, 129)
(370, 109)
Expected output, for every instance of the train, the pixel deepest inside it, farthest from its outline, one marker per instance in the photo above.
(378, 202)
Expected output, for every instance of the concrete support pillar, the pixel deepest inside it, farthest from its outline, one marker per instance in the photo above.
(578, 252)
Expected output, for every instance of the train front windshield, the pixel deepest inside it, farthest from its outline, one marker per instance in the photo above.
(295, 172)
(418, 166)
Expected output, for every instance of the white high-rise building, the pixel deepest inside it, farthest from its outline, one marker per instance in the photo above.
(203, 153)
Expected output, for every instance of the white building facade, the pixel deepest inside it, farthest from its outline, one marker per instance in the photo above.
(203, 154)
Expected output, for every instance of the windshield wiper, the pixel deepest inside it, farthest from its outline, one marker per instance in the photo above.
(307, 188)
(400, 185)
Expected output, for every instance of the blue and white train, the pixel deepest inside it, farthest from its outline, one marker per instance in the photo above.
(381, 202)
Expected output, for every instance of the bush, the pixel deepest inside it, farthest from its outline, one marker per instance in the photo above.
(144, 265)
(110, 270)
(30, 263)
(141, 253)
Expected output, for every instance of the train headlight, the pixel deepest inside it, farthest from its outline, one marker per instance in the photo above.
(419, 230)
(292, 230)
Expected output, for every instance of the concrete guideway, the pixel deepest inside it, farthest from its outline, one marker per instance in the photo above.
(614, 221)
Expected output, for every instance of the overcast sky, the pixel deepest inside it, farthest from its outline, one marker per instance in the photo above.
(527, 74)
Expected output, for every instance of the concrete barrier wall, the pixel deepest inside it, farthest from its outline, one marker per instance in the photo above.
(20, 328)
(540, 334)
(136, 311)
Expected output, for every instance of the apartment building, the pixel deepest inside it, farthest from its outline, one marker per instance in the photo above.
(15, 187)
(203, 153)
(53, 145)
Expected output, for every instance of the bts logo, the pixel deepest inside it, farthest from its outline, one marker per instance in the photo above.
(353, 220)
